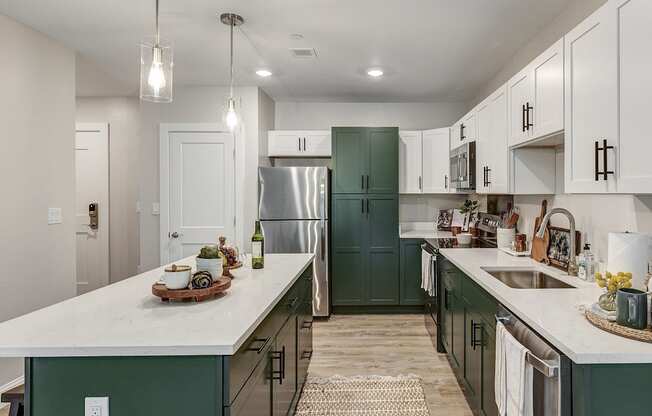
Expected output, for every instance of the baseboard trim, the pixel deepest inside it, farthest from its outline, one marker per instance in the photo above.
(10, 385)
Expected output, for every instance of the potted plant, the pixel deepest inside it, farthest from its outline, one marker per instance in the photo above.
(470, 208)
(210, 259)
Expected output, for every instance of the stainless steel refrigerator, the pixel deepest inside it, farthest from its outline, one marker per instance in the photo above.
(293, 206)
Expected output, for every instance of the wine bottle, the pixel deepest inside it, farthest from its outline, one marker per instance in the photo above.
(258, 248)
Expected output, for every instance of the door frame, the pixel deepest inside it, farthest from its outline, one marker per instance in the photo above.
(105, 130)
(165, 129)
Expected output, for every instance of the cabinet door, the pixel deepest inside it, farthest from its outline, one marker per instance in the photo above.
(591, 102)
(409, 162)
(547, 110)
(435, 161)
(488, 396)
(498, 151)
(317, 144)
(519, 90)
(382, 278)
(483, 145)
(458, 328)
(456, 135)
(284, 143)
(469, 127)
(410, 259)
(635, 89)
(285, 386)
(350, 153)
(382, 165)
(472, 354)
(304, 330)
(446, 321)
(256, 397)
(349, 249)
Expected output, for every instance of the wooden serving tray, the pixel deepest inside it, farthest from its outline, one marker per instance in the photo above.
(197, 295)
(227, 269)
(643, 335)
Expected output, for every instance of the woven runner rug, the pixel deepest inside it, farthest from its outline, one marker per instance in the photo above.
(363, 396)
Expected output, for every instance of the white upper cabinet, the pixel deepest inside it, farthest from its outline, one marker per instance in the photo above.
(608, 90)
(424, 161)
(492, 152)
(465, 130)
(295, 143)
(435, 161)
(536, 97)
(410, 156)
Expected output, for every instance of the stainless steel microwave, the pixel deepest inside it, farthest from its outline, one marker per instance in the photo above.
(462, 164)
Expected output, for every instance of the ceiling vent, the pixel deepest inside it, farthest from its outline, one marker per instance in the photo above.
(303, 52)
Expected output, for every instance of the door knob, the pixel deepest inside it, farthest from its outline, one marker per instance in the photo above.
(174, 235)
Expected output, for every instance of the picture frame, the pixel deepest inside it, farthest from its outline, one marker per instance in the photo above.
(559, 247)
(444, 219)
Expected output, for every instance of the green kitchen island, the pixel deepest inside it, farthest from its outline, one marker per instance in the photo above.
(244, 354)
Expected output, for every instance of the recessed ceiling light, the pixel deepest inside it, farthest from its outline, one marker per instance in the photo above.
(263, 73)
(375, 72)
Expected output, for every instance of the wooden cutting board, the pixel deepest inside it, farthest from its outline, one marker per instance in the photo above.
(540, 245)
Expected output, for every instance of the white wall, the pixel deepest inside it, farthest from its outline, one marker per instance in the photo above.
(571, 16)
(37, 132)
(123, 116)
(266, 122)
(200, 104)
(407, 116)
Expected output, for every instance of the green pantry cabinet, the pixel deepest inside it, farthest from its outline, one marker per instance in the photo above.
(263, 378)
(467, 325)
(365, 241)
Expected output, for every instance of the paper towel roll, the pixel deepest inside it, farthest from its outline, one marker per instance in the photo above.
(629, 252)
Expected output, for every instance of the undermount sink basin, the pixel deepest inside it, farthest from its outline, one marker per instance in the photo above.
(527, 279)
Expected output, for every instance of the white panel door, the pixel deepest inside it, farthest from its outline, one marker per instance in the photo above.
(317, 144)
(284, 143)
(435, 161)
(634, 20)
(520, 93)
(591, 102)
(201, 194)
(92, 187)
(547, 113)
(410, 150)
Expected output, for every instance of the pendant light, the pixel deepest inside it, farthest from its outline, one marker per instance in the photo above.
(231, 117)
(156, 68)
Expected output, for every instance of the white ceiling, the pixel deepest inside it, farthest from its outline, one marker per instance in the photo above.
(430, 50)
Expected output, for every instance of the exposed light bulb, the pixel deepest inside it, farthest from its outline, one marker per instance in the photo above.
(231, 117)
(375, 73)
(156, 77)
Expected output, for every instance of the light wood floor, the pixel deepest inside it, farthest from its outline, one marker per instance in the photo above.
(389, 345)
(4, 412)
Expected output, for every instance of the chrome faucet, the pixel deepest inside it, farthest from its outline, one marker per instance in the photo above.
(572, 262)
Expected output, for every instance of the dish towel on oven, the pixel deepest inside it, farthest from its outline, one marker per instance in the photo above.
(513, 381)
(427, 278)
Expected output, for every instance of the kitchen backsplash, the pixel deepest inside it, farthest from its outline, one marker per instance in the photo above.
(424, 208)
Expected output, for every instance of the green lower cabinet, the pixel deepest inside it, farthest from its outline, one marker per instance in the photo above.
(472, 355)
(487, 402)
(458, 330)
(446, 321)
(284, 368)
(410, 258)
(365, 250)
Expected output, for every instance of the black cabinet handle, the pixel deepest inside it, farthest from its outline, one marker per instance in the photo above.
(420, 184)
(306, 355)
(475, 342)
(362, 206)
(445, 181)
(605, 161)
(304, 144)
(299, 143)
(307, 325)
(462, 136)
(488, 182)
(263, 341)
(523, 118)
(367, 206)
(528, 123)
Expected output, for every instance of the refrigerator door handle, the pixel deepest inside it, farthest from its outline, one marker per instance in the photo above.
(323, 240)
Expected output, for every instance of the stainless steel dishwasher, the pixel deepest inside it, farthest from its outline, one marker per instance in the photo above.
(551, 387)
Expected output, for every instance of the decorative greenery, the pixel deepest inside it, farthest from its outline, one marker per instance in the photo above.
(210, 252)
(469, 207)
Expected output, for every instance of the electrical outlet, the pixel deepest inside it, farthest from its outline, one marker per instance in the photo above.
(96, 406)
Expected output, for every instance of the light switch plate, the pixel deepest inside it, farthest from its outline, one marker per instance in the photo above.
(96, 406)
(54, 216)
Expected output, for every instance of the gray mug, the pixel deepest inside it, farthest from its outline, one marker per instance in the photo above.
(631, 308)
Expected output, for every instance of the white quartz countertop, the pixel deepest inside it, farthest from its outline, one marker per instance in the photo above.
(421, 230)
(125, 319)
(553, 313)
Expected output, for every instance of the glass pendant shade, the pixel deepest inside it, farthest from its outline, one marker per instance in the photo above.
(231, 117)
(156, 64)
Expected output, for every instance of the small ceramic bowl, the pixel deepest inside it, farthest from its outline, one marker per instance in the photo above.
(464, 238)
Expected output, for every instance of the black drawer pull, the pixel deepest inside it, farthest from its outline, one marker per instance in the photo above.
(279, 374)
(475, 341)
(306, 324)
(605, 160)
(306, 355)
(263, 341)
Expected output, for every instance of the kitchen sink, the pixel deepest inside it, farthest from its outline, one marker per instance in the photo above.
(527, 279)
